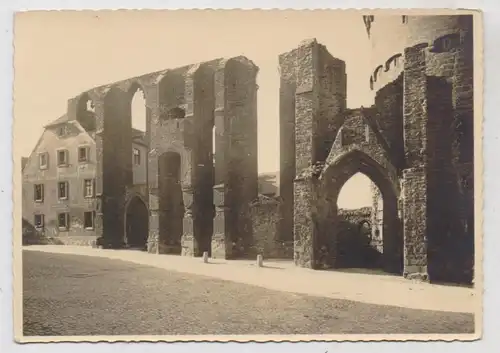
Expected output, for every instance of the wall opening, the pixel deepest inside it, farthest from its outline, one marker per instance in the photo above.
(171, 204)
(86, 115)
(138, 110)
(136, 224)
(360, 224)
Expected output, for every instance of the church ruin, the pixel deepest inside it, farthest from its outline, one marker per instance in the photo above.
(415, 143)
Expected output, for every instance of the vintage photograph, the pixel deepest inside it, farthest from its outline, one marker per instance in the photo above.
(215, 175)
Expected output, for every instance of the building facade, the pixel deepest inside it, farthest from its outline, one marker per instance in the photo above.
(59, 181)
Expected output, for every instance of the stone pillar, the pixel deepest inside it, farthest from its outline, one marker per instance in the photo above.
(306, 110)
(221, 241)
(198, 221)
(305, 232)
(415, 176)
(236, 169)
(319, 105)
(153, 115)
(415, 223)
(167, 129)
(154, 226)
(287, 143)
(189, 243)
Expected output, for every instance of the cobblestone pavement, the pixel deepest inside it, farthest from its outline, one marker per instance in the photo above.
(79, 295)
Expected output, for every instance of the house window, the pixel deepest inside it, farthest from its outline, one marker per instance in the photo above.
(367, 133)
(43, 160)
(405, 19)
(137, 156)
(39, 192)
(83, 154)
(62, 157)
(62, 190)
(63, 220)
(61, 131)
(39, 220)
(88, 188)
(88, 220)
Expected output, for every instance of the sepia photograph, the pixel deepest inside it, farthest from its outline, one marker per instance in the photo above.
(258, 175)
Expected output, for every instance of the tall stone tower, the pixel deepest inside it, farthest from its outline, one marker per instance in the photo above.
(312, 105)
(422, 76)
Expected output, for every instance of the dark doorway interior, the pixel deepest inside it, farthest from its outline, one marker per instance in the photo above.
(137, 224)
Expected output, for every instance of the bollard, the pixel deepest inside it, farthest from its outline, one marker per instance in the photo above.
(259, 260)
(205, 257)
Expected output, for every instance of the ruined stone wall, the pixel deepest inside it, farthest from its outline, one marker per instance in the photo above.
(314, 84)
(241, 150)
(265, 212)
(435, 135)
(389, 118)
(182, 106)
(287, 141)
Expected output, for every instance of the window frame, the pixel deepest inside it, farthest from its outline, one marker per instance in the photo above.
(66, 161)
(66, 190)
(92, 218)
(87, 154)
(62, 131)
(66, 220)
(92, 188)
(42, 186)
(138, 155)
(46, 165)
(42, 220)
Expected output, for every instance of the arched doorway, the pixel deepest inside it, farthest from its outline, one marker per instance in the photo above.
(136, 224)
(349, 243)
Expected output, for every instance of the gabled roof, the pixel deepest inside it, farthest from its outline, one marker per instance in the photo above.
(60, 120)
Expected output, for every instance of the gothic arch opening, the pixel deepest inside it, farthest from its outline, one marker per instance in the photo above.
(345, 232)
(138, 109)
(139, 142)
(136, 224)
(171, 204)
(359, 225)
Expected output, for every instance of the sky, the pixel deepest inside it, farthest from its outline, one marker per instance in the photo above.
(59, 54)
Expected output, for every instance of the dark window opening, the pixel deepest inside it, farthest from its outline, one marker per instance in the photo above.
(63, 220)
(62, 157)
(137, 156)
(61, 131)
(63, 190)
(39, 220)
(44, 160)
(83, 154)
(88, 220)
(39, 192)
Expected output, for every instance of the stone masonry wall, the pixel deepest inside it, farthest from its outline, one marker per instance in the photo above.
(265, 213)
(319, 104)
(434, 141)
